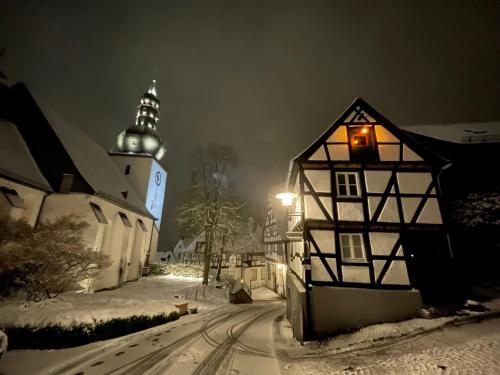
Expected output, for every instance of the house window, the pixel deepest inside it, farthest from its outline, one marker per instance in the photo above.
(98, 213)
(12, 197)
(125, 220)
(360, 140)
(347, 184)
(352, 247)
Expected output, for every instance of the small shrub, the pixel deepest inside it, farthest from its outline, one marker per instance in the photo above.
(58, 337)
(45, 262)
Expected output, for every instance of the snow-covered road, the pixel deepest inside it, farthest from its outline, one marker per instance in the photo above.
(255, 339)
(232, 340)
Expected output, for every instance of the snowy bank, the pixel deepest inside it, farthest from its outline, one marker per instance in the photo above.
(149, 296)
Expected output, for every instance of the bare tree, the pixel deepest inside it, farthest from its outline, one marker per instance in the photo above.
(211, 207)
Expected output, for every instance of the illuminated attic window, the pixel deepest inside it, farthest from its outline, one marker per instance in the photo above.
(12, 197)
(363, 146)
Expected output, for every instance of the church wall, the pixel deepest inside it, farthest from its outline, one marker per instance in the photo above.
(113, 237)
(32, 201)
(140, 169)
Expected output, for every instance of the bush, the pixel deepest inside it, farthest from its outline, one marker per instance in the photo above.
(58, 337)
(178, 269)
(47, 261)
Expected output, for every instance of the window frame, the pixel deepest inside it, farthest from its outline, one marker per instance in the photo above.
(99, 214)
(12, 196)
(347, 184)
(352, 258)
(125, 220)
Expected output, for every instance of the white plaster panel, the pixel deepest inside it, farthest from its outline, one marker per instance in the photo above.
(350, 211)
(396, 274)
(339, 135)
(338, 152)
(410, 155)
(430, 214)
(325, 240)
(388, 152)
(390, 212)
(382, 243)
(319, 179)
(319, 154)
(318, 270)
(327, 203)
(384, 135)
(373, 203)
(409, 207)
(376, 181)
(355, 274)
(312, 210)
(377, 267)
(413, 182)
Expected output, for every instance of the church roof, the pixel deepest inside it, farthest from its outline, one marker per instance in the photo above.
(96, 166)
(16, 161)
(58, 147)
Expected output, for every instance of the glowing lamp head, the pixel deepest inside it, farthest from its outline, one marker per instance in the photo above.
(286, 198)
(364, 130)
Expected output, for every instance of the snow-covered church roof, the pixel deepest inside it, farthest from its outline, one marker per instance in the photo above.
(96, 166)
(16, 161)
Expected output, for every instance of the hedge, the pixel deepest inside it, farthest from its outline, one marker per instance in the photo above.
(58, 337)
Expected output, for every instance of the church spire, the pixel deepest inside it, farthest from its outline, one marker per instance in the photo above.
(148, 112)
(142, 138)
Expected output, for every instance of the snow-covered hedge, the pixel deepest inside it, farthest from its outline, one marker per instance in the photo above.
(57, 336)
(178, 269)
(478, 209)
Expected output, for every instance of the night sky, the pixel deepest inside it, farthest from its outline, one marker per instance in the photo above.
(267, 77)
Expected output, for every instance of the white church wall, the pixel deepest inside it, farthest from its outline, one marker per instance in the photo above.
(32, 200)
(113, 239)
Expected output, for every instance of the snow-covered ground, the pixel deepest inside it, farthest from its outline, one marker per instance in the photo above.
(148, 296)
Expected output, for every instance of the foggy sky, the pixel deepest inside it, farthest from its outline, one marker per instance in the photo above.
(267, 77)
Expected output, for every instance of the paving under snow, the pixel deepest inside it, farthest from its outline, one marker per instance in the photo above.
(147, 296)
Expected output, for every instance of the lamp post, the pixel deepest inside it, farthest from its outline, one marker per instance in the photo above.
(286, 198)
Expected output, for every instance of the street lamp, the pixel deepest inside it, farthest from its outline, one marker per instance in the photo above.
(286, 198)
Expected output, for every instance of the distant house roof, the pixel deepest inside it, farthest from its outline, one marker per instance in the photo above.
(16, 161)
(477, 132)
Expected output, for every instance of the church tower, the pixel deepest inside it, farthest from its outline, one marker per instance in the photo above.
(138, 151)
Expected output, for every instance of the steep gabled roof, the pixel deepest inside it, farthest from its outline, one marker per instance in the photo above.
(60, 148)
(16, 161)
(359, 113)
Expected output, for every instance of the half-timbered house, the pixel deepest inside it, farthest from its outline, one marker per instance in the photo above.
(275, 243)
(367, 229)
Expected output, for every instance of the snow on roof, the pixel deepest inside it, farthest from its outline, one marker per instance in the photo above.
(477, 132)
(15, 158)
(96, 166)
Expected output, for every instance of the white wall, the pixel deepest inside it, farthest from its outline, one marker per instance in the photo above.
(32, 201)
(114, 239)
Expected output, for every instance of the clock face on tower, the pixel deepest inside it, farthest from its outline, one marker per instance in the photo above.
(156, 191)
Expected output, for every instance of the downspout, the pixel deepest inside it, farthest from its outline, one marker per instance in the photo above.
(40, 211)
(439, 176)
